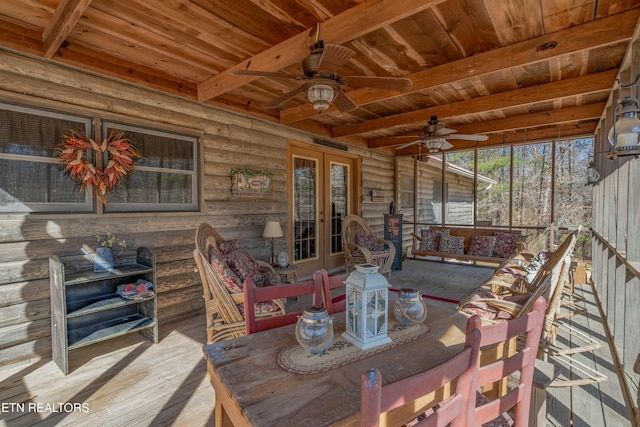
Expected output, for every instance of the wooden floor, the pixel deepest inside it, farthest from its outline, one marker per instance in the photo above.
(131, 382)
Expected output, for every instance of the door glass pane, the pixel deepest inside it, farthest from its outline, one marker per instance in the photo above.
(339, 203)
(305, 208)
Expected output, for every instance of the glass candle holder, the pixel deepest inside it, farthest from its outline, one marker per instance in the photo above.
(314, 330)
(409, 308)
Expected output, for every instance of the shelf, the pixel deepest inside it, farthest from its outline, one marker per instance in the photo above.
(102, 331)
(87, 276)
(107, 302)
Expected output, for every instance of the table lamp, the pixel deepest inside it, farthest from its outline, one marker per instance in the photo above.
(272, 230)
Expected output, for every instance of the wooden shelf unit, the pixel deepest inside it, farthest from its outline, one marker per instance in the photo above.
(85, 306)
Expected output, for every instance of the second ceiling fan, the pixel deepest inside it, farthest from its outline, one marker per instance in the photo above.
(322, 85)
(436, 135)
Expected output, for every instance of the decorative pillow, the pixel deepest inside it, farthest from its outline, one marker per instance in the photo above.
(506, 245)
(222, 270)
(430, 240)
(452, 244)
(227, 246)
(482, 245)
(368, 241)
(244, 265)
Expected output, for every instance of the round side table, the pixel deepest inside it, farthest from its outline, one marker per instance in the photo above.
(288, 273)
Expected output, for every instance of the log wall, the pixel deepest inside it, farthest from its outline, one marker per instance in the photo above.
(228, 141)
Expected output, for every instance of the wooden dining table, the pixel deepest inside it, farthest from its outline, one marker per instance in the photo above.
(252, 389)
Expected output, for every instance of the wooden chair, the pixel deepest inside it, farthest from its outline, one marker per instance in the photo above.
(223, 316)
(333, 304)
(457, 411)
(254, 295)
(361, 246)
(523, 360)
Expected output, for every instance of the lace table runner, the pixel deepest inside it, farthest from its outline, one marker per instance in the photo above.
(342, 352)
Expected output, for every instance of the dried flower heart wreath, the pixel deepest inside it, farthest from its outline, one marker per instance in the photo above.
(121, 157)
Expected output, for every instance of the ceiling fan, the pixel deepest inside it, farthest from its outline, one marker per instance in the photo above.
(322, 85)
(436, 135)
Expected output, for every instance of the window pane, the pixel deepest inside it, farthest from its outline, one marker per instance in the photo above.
(429, 188)
(459, 188)
(165, 176)
(492, 190)
(532, 185)
(31, 175)
(572, 196)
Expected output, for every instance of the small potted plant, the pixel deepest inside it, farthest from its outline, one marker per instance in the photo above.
(104, 253)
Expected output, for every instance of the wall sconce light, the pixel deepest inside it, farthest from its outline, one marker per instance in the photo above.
(624, 135)
(272, 230)
(593, 176)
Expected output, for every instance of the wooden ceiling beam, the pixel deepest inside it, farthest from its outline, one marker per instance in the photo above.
(557, 118)
(592, 83)
(62, 22)
(614, 29)
(354, 22)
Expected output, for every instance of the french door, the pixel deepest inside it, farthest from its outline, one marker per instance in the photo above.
(322, 193)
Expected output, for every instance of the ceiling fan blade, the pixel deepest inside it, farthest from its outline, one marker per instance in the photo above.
(397, 84)
(409, 144)
(344, 103)
(469, 137)
(444, 131)
(283, 98)
(266, 74)
(333, 57)
(446, 145)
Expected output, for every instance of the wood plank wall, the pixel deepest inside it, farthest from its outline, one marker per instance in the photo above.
(229, 140)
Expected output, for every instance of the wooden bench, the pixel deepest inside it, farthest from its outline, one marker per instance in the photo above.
(467, 233)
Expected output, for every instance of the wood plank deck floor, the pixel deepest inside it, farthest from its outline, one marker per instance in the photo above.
(131, 382)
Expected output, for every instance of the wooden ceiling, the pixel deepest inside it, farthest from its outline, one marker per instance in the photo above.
(515, 70)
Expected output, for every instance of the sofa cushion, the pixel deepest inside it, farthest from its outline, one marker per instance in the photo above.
(474, 305)
(220, 268)
(227, 246)
(243, 264)
(482, 245)
(452, 244)
(430, 240)
(506, 245)
(368, 241)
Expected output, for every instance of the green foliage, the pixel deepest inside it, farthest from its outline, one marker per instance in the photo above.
(249, 173)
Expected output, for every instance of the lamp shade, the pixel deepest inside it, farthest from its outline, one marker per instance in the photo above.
(320, 95)
(272, 229)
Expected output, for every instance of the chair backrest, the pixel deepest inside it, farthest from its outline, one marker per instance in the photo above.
(458, 410)
(352, 226)
(215, 292)
(254, 294)
(523, 360)
(328, 283)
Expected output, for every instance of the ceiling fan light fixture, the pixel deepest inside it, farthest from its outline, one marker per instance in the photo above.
(434, 144)
(320, 95)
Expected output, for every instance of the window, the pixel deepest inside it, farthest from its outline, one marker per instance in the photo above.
(165, 178)
(31, 179)
(406, 191)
